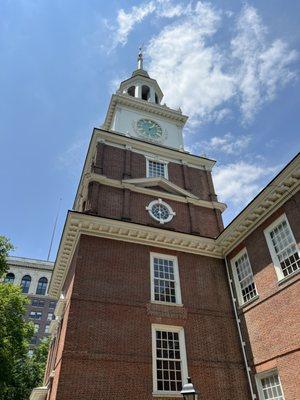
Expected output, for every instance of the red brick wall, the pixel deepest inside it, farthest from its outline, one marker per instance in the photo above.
(271, 323)
(111, 162)
(108, 202)
(107, 351)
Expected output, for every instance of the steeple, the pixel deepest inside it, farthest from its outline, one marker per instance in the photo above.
(140, 59)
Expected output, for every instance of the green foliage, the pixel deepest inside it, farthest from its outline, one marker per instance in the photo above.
(19, 373)
(5, 248)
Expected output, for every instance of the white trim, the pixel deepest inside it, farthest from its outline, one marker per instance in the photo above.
(176, 276)
(161, 202)
(274, 256)
(265, 374)
(182, 348)
(157, 160)
(236, 279)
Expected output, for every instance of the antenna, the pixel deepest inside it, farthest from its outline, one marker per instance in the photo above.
(54, 229)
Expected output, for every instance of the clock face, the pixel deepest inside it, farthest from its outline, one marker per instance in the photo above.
(149, 128)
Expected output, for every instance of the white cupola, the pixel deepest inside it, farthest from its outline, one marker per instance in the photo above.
(140, 85)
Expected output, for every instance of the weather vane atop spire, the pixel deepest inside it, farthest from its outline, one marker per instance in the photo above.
(140, 58)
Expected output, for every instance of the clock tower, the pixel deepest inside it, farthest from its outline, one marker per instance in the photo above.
(136, 110)
(144, 301)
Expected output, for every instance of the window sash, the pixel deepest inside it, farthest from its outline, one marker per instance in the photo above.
(243, 277)
(156, 169)
(283, 247)
(269, 386)
(165, 283)
(169, 358)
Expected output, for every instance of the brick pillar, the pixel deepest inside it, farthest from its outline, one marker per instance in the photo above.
(127, 165)
(194, 228)
(126, 205)
(186, 177)
(92, 198)
(97, 166)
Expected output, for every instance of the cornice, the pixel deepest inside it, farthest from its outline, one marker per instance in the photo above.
(272, 197)
(78, 224)
(182, 195)
(141, 105)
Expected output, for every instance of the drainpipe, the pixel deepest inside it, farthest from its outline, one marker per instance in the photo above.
(238, 322)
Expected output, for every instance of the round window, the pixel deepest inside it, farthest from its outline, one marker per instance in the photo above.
(160, 211)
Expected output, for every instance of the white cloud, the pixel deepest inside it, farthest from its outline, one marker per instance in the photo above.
(239, 182)
(228, 144)
(262, 67)
(73, 157)
(126, 21)
(210, 76)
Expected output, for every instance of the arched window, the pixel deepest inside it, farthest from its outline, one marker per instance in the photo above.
(10, 277)
(42, 286)
(131, 91)
(25, 283)
(145, 92)
(156, 99)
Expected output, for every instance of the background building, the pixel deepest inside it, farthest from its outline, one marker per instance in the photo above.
(34, 277)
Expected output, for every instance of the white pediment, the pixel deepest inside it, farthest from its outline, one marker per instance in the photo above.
(162, 183)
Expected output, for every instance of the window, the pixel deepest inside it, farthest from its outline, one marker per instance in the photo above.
(34, 340)
(50, 316)
(169, 358)
(145, 92)
(30, 353)
(36, 328)
(131, 91)
(243, 277)
(157, 169)
(35, 315)
(52, 304)
(156, 99)
(160, 211)
(10, 277)
(283, 247)
(37, 303)
(165, 285)
(47, 327)
(42, 286)
(25, 283)
(269, 386)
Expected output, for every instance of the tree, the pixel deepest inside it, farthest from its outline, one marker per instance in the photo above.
(5, 248)
(19, 373)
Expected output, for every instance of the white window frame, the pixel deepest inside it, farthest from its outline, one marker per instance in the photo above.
(182, 348)
(169, 208)
(236, 279)
(166, 174)
(276, 263)
(266, 374)
(176, 276)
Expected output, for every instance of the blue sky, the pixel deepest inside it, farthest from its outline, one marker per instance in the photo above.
(232, 66)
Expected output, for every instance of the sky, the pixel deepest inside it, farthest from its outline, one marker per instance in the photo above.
(232, 67)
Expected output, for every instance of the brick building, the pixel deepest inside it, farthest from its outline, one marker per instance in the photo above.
(142, 268)
(34, 276)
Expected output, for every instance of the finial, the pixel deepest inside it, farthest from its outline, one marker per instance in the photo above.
(140, 59)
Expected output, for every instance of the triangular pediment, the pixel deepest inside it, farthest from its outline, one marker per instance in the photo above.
(161, 183)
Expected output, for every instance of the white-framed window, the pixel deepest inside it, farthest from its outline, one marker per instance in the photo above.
(169, 359)
(50, 316)
(269, 386)
(243, 277)
(35, 315)
(283, 247)
(160, 211)
(47, 327)
(165, 283)
(156, 168)
(36, 328)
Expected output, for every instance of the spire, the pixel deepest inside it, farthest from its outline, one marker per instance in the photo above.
(140, 59)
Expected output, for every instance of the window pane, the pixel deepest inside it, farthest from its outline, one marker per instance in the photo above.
(164, 280)
(42, 286)
(25, 283)
(168, 365)
(10, 277)
(156, 169)
(245, 277)
(285, 248)
(271, 387)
